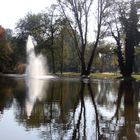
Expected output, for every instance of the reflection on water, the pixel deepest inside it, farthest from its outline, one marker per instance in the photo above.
(69, 109)
(106, 98)
(36, 90)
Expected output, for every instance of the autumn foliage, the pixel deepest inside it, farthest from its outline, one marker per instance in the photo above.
(2, 33)
(5, 51)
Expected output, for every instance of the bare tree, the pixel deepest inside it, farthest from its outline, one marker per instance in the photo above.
(78, 14)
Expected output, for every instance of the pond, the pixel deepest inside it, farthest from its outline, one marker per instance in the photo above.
(68, 109)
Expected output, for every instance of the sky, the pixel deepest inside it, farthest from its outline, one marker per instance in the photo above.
(12, 10)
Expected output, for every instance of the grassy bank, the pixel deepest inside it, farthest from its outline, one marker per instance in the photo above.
(97, 75)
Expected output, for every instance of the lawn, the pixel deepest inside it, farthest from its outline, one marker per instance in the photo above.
(98, 75)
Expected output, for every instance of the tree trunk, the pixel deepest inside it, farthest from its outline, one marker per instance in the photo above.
(62, 48)
(129, 55)
(53, 62)
(83, 66)
(120, 60)
(52, 50)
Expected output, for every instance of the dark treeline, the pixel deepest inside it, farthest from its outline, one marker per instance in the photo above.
(61, 35)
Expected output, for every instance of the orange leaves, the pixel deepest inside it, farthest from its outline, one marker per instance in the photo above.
(2, 33)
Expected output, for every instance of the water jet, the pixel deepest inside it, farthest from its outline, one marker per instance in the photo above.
(36, 71)
(36, 64)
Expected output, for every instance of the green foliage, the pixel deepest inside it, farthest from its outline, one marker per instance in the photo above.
(63, 38)
(124, 25)
(52, 37)
(5, 51)
(105, 58)
(31, 24)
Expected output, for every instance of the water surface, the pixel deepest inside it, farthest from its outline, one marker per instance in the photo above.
(67, 109)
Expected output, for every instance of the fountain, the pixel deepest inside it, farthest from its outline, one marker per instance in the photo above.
(36, 77)
(37, 65)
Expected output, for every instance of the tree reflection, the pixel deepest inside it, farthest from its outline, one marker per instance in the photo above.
(125, 122)
(64, 109)
(127, 91)
(76, 132)
(8, 87)
(99, 136)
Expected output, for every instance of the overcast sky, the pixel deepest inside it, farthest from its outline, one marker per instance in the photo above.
(12, 10)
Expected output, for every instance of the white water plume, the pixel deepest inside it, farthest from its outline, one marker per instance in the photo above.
(36, 64)
(36, 77)
(36, 91)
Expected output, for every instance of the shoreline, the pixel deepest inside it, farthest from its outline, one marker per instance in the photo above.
(105, 75)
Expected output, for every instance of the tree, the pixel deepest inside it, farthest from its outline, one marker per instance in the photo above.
(44, 27)
(124, 29)
(77, 14)
(105, 57)
(137, 57)
(5, 51)
(31, 24)
(52, 30)
(67, 59)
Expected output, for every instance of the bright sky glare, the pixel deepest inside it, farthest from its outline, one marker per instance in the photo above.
(12, 10)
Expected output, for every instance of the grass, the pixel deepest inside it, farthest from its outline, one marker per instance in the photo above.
(136, 76)
(69, 74)
(97, 75)
(105, 75)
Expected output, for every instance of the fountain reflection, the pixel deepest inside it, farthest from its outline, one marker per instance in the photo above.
(36, 90)
(64, 109)
(80, 116)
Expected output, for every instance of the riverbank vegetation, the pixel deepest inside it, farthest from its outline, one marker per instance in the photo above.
(61, 33)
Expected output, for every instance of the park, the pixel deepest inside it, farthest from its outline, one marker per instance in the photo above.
(72, 72)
